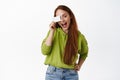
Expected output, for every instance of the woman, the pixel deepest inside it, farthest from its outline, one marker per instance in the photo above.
(62, 45)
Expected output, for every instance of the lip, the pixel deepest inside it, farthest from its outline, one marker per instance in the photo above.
(64, 25)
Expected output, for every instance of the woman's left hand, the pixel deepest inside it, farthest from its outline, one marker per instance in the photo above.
(77, 67)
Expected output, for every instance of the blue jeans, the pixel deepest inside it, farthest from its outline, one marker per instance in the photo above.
(54, 73)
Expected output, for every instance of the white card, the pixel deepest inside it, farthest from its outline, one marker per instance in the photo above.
(56, 19)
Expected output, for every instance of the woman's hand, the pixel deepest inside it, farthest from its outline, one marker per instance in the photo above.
(77, 67)
(52, 26)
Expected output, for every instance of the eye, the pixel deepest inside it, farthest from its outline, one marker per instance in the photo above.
(64, 16)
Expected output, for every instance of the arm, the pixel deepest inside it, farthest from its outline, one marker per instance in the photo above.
(80, 62)
(47, 42)
(49, 39)
(83, 53)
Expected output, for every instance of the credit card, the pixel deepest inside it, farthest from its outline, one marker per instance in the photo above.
(56, 19)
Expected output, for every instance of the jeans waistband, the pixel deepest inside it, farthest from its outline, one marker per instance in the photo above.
(56, 68)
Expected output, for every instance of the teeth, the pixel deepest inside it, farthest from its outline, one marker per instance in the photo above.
(64, 24)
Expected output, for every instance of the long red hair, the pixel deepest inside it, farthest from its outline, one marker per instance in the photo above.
(71, 47)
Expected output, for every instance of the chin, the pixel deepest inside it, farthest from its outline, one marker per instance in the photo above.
(65, 29)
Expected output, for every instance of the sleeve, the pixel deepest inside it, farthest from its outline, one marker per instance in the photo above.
(45, 49)
(84, 47)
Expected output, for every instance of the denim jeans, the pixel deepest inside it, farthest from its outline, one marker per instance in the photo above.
(54, 73)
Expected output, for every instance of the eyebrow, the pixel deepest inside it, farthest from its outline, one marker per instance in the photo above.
(64, 14)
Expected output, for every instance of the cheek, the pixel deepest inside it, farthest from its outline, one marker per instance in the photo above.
(68, 21)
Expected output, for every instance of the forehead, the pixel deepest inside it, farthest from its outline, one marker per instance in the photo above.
(61, 12)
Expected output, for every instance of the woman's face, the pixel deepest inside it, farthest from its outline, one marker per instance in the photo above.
(65, 19)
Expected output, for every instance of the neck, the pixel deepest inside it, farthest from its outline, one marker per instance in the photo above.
(66, 31)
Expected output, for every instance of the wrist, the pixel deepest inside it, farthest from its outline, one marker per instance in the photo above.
(52, 30)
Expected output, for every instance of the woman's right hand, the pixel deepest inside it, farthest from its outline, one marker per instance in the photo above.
(52, 26)
(49, 39)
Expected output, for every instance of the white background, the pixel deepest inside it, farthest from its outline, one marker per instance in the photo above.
(24, 24)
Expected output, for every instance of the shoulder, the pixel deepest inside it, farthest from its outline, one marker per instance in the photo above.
(81, 36)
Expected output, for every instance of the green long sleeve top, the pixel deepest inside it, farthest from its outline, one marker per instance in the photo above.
(54, 53)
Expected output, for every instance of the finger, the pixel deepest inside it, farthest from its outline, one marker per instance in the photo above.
(52, 24)
(76, 69)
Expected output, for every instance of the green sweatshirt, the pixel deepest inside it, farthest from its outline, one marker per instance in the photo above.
(54, 53)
